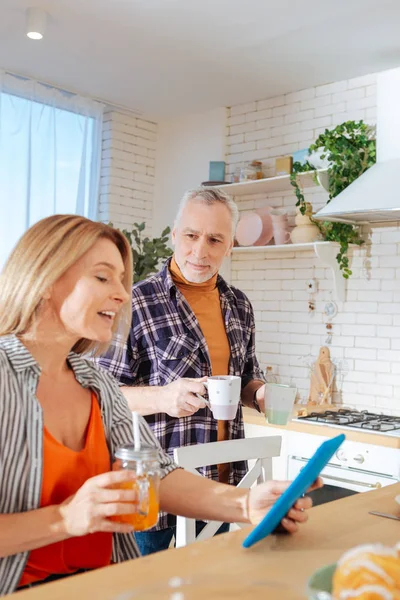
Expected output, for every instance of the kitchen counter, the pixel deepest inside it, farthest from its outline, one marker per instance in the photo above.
(252, 417)
(277, 567)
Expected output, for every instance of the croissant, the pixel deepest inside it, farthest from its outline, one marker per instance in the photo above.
(370, 572)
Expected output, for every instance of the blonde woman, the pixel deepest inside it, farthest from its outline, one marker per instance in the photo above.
(65, 291)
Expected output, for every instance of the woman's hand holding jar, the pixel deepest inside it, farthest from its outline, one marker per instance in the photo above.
(98, 504)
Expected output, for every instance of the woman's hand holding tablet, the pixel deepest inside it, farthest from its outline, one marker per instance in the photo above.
(287, 504)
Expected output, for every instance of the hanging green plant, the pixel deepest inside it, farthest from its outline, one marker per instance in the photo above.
(147, 253)
(350, 149)
(297, 168)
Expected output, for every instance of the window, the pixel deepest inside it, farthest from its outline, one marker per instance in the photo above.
(50, 145)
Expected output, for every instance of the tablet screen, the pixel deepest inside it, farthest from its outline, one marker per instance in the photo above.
(297, 488)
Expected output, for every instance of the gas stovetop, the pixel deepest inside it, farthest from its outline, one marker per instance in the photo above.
(354, 419)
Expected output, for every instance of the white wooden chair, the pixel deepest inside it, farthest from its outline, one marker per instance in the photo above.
(260, 449)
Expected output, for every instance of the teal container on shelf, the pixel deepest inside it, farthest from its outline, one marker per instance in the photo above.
(300, 156)
(217, 170)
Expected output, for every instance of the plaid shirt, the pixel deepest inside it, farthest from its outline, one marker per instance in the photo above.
(166, 343)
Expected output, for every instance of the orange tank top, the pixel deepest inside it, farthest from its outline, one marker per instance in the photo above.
(64, 472)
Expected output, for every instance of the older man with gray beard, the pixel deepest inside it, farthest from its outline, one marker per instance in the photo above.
(189, 324)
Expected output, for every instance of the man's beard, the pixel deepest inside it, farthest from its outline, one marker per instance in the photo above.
(192, 277)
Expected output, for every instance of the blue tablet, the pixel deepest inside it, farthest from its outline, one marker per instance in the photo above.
(297, 488)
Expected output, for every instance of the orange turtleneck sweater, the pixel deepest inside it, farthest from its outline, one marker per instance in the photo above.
(203, 299)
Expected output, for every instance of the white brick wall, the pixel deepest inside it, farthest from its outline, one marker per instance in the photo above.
(366, 330)
(269, 128)
(127, 170)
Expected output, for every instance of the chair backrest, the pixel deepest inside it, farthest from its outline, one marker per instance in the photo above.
(260, 449)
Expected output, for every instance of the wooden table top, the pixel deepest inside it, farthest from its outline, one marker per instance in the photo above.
(278, 567)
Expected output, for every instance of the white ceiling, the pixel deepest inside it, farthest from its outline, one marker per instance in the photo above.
(167, 57)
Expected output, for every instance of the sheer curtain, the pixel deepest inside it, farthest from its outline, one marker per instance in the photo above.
(50, 147)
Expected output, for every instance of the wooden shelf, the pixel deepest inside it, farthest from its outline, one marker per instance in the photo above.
(267, 185)
(283, 247)
(325, 251)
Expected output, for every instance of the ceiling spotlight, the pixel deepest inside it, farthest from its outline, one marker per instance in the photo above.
(36, 20)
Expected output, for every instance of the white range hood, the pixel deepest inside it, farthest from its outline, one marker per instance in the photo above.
(375, 196)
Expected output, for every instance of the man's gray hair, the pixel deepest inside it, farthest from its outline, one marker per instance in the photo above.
(210, 196)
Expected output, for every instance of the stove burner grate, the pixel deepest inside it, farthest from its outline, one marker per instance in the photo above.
(357, 419)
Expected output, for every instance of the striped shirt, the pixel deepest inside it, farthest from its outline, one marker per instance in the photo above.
(166, 342)
(21, 441)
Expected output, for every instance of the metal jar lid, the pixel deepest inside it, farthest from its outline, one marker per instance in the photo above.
(128, 452)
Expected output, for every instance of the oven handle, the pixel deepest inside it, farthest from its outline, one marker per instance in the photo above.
(376, 485)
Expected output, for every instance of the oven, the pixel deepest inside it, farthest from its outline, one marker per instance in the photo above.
(356, 480)
(356, 466)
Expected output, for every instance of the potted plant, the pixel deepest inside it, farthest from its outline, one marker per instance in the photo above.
(350, 149)
(147, 253)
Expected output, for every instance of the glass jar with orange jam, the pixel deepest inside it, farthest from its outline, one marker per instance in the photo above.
(144, 463)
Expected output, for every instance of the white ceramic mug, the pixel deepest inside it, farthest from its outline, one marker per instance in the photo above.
(223, 396)
(280, 226)
(281, 235)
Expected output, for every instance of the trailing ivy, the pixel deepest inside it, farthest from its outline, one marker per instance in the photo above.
(299, 167)
(350, 149)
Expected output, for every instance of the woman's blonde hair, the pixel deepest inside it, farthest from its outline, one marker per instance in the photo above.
(42, 255)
